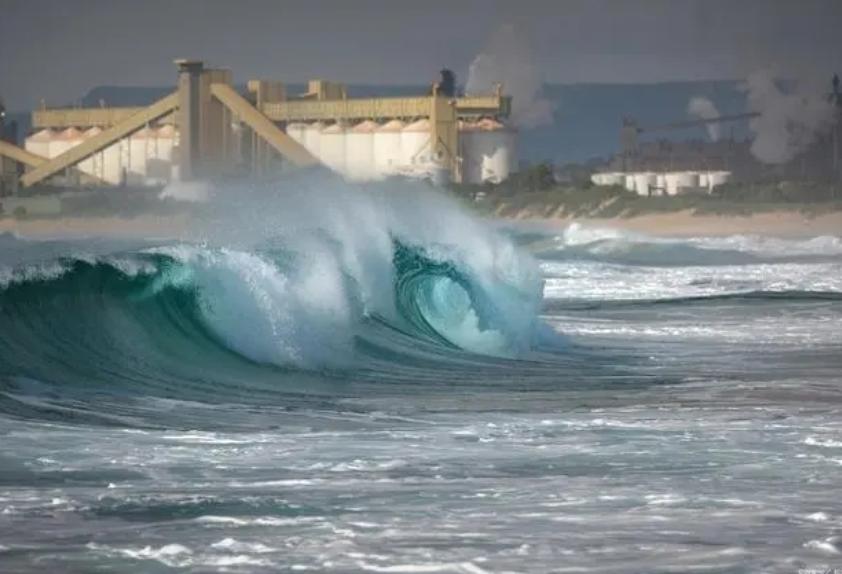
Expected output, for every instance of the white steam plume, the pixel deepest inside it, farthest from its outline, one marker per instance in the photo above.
(508, 60)
(702, 108)
(789, 121)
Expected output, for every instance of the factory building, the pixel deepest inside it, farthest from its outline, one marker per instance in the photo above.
(207, 129)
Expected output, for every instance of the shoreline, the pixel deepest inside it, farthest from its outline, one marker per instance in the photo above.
(785, 224)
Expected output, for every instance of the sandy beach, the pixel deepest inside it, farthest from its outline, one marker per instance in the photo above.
(686, 224)
(676, 224)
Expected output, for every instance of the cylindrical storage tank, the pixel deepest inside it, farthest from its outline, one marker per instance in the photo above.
(312, 138)
(138, 156)
(660, 184)
(470, 152)
(65, 140)
(415, 144)
(160, 160)
(644, 182)
(359, 151)
(717, 178)
(387, 147)
(39, 142)
(499, 141)
(687, 180)
(112, 162)
(613, 178)
(94, 164)
(598, 178)
(671, 183)
(296, 131)
(332, 147)
(628, 181)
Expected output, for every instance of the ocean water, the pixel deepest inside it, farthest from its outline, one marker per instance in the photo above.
(380, 382)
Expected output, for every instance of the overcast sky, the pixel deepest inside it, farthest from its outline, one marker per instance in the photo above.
(58, 49)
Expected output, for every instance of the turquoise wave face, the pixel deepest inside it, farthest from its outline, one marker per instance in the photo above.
(215, 324)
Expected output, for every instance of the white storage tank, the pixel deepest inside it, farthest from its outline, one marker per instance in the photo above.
(670, 183)
(93, 165)
(688, 180)
(660, 184)
(613, 178)
(160, 162)
(488, 152)
(680, 181)
(312, 138)
(415, 144)
(387, 148)
(138, 156)
(628, 181)
(717, 178)
(359, 151)
(500, 141)
(644, 182)
(39, 142)
(332, 147)
(470, 152)
(113, 162)
(65, 140)
(296, 131)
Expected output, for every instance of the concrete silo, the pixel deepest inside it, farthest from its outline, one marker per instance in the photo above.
(359, 151)
(470, 152)
(138, 156)
(498, 150)
(296, 131)
(332, 147)
(387, 148)
(39, 142)
(94, 164)
(415, 145)
(312, 138)
(160, 160)
(65, 140)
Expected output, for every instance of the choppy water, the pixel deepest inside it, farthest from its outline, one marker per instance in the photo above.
(397, 387)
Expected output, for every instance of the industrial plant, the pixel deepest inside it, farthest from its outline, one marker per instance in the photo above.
(667, 167)
(206, 128)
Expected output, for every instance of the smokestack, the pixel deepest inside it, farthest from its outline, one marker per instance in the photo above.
(447, 84)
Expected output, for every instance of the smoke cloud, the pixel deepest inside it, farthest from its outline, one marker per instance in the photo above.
(790, 119)
(509, 61)
(702, 108)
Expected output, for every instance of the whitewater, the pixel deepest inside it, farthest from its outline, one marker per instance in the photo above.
(338, 379)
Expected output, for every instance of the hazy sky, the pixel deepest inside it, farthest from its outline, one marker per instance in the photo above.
(58, 49)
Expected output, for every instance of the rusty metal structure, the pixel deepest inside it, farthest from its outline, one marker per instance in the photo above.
(212, 120)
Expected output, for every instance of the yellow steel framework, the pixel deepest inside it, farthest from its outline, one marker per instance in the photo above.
(262, 126)
(101, 141)
(205, 106)
(60, 118)
(20, 155)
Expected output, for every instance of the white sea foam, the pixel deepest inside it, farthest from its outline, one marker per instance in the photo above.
(307, 310)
